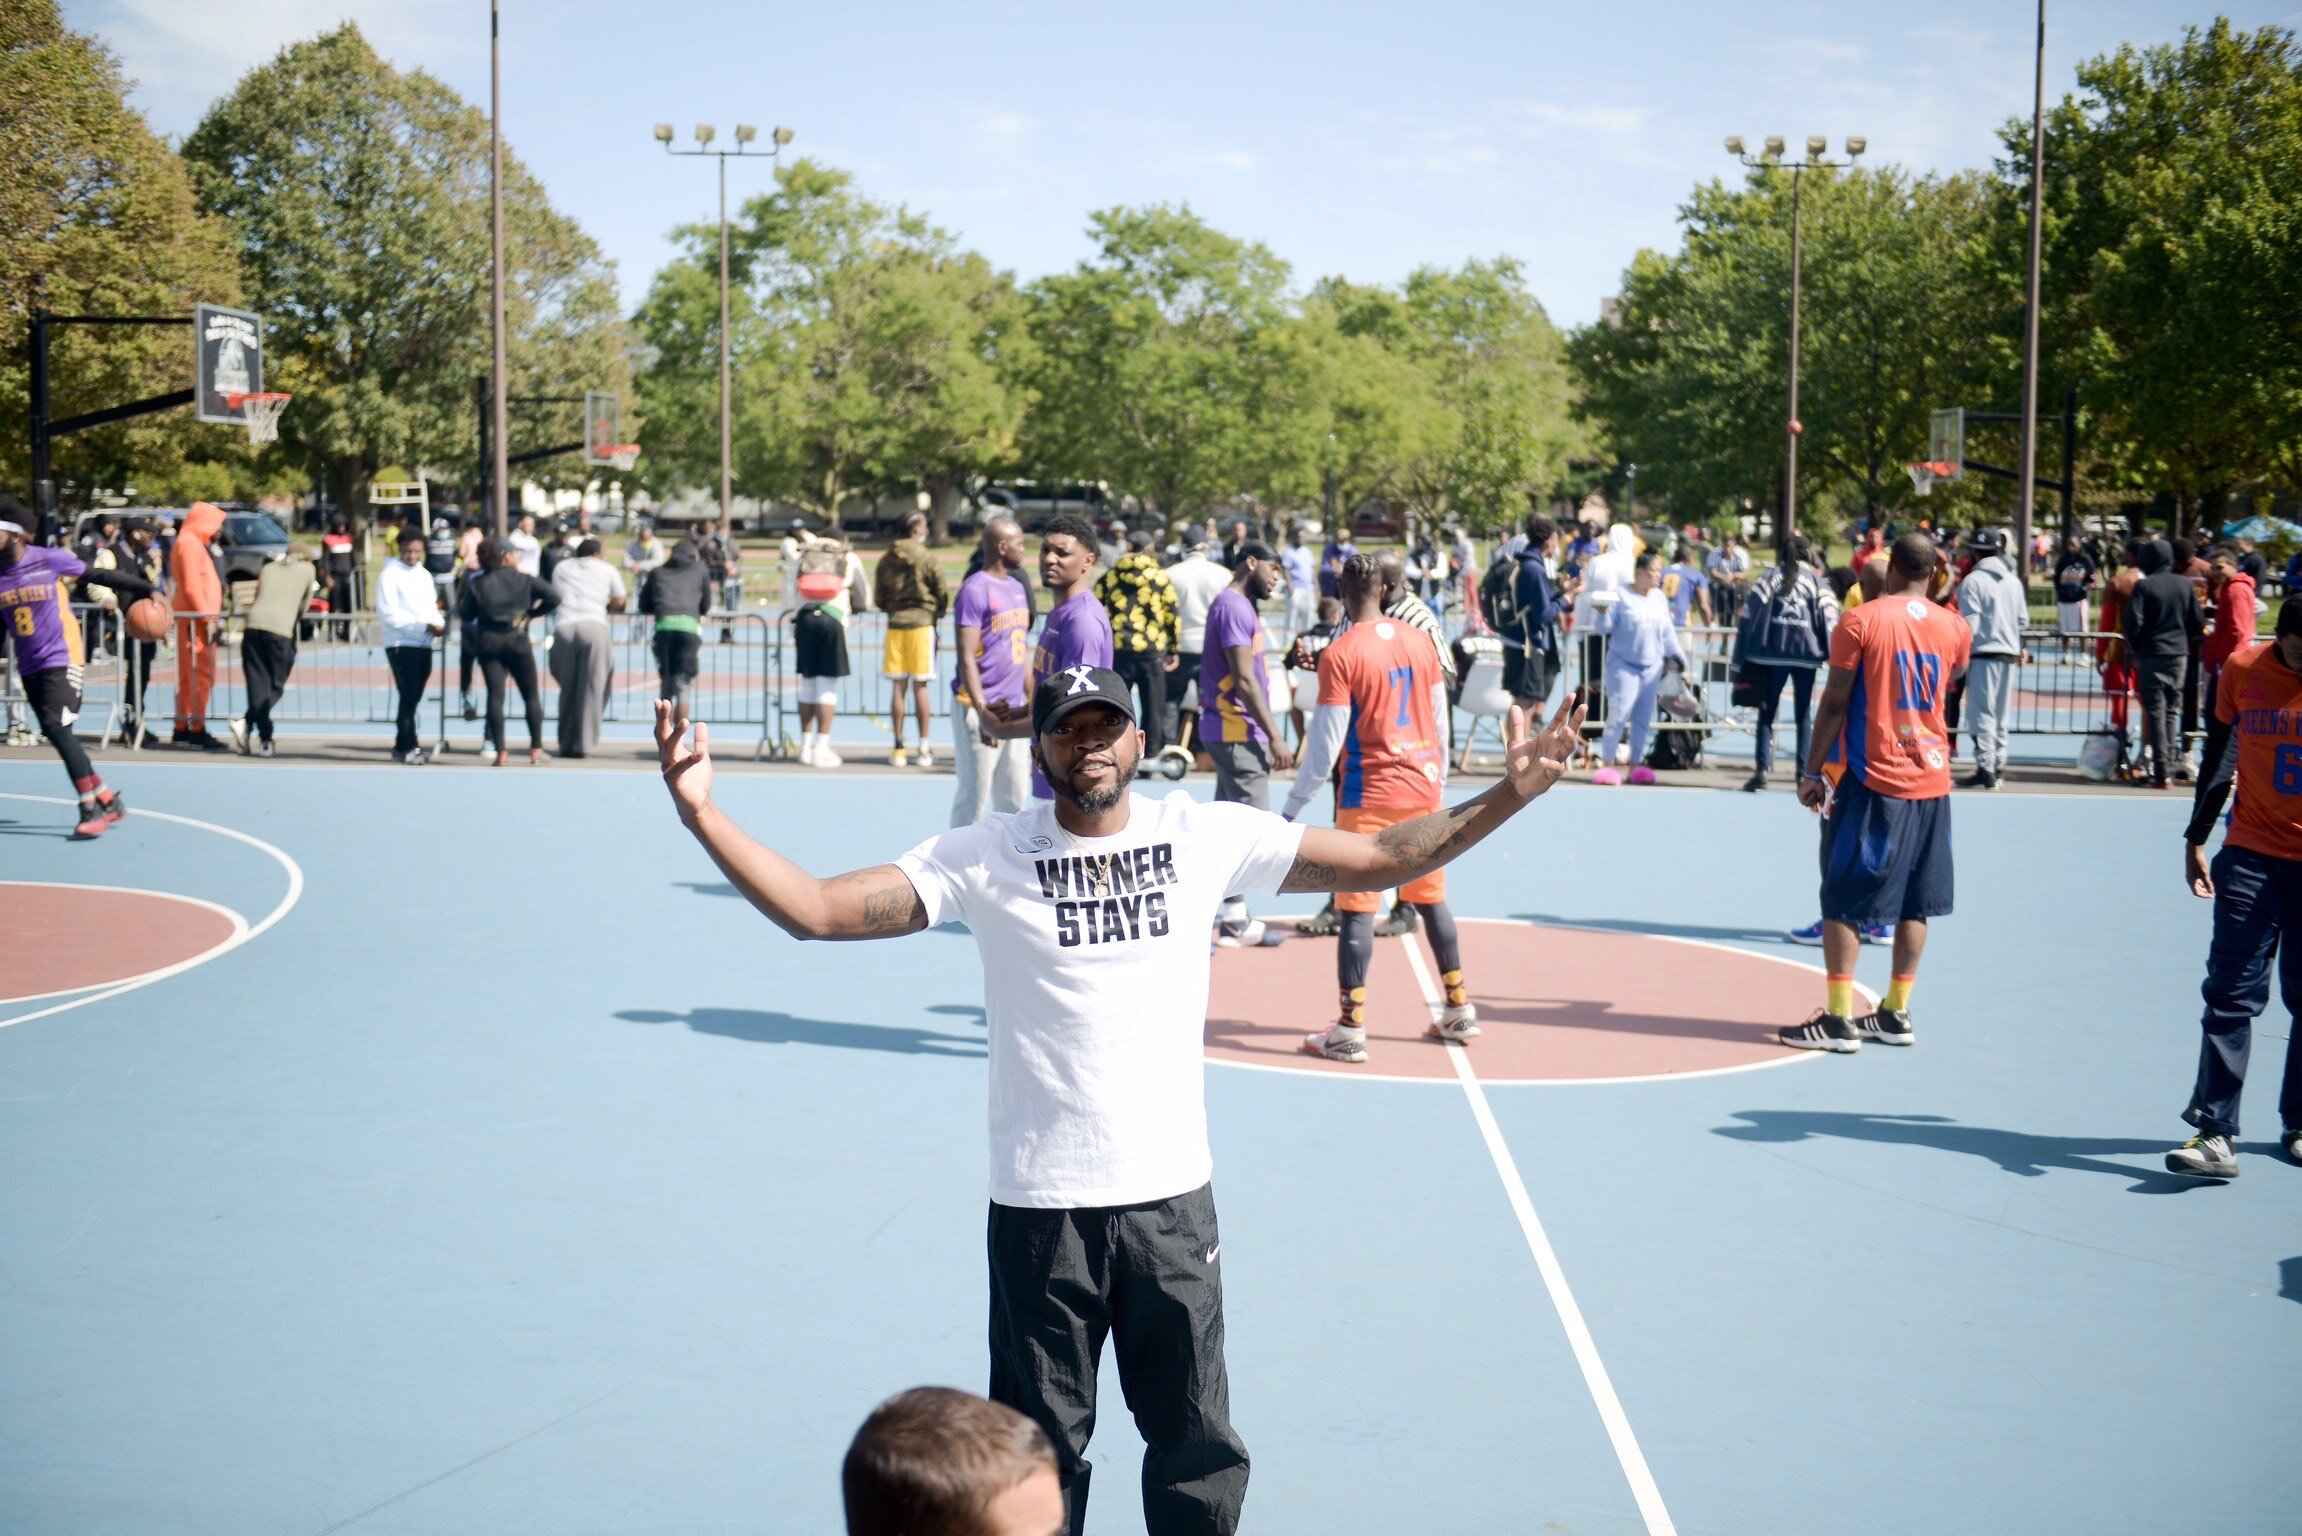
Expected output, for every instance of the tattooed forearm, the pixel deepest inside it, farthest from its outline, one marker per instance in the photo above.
(1429, 841)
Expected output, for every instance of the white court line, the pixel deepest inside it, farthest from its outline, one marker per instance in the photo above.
(1618, 1424)
(239, 925)
(295, 893)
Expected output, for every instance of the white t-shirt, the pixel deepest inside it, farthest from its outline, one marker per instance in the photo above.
(586, 584)
(1096, 999)
(527, 550)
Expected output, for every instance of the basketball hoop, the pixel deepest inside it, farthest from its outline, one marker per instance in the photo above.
(1924, 473)
(619, 455)
(261, 413)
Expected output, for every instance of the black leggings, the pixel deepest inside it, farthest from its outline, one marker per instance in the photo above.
(54, 695)
(1356, 951)
(501, 652)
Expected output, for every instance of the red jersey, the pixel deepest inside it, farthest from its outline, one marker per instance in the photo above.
(1903, 652)
(1384, 669)
(2262, 703)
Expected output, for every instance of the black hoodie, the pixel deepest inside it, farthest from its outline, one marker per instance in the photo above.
(678, 587)
(2163, 619)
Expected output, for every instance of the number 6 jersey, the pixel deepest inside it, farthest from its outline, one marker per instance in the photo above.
(2262, 702)
(1903, 651)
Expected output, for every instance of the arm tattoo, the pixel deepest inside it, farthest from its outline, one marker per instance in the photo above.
(1428, 841)
(1309, 875)
(889, 903)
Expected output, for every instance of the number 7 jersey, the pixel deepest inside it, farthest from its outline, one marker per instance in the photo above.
(1904, 652)
(1392, 759)
(2262, 703)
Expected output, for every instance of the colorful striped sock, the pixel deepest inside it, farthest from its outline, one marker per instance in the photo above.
(1898, 993)
(1355, 1007)
(1457, 995)
(1841, 994)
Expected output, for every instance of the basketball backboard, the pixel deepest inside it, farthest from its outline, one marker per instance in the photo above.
(602, 426)
(228, 346)
(1946, 442)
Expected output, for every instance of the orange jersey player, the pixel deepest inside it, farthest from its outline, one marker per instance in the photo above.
(1381, 696)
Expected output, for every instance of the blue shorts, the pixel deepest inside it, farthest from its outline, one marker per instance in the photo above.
(1884, 860)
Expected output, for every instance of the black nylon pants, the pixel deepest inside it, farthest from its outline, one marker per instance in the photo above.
(1147, 1276)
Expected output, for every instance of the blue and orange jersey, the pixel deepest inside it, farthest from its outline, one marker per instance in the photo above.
(36, 609)
(2261, 701)
(1903, 651)
(1392, 758)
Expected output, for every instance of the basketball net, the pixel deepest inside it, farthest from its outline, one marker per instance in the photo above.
(620, 455)
(1924, 473)
(261, 413)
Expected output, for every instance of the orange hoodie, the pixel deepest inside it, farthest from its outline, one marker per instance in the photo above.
(191, 569)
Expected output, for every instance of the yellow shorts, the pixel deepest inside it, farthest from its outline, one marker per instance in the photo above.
(910, 653)
(1432, 887)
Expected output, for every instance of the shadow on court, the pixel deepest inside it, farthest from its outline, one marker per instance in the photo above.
(2018, 1152)
(764, 1028)
(2290, 1279)
(705, 887)
(1664, 930)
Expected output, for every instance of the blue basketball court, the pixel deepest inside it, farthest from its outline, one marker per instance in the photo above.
(463, 1155)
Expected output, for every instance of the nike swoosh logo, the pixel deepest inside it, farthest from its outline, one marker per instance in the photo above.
(1218, 1248)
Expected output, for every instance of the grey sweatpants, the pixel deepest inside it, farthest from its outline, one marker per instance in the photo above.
(1990, 709)
(1146, 1276)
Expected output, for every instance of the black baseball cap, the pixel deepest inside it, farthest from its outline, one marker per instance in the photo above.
(1074, 687)
(1254, 549)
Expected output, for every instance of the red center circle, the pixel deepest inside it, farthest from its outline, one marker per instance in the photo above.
(71, 938)
(1555, 1005)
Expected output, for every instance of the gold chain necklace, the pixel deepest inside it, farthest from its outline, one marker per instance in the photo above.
(1100, 864)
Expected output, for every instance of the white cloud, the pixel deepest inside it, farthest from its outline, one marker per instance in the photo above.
(1006, 129)
(1229, 159)
(1614, 122)
(1810, 50)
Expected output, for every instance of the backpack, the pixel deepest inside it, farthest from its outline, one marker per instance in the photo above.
(1499, 596)
(822, 571)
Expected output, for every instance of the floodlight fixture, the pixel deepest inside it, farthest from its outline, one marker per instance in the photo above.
(1855, 145)
(1774, 146)
(1816, 146)
(1735, 145)
(705, 133)
(782, 136)
(663, 133)
(745, 133)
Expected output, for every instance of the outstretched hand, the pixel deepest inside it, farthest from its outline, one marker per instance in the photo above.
(686, 771)
(1535, 761)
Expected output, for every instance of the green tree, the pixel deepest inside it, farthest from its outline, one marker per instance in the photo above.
(2174, 261)
(1171, 364)
(869, 353)
(102, 213)
(360, 193)
(1901, 314)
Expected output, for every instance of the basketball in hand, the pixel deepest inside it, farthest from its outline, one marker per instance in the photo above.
(148, 618)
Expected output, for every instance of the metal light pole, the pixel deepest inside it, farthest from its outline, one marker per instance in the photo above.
(2026, 494)
(745, 136)
(1771, 159)
(498, 476)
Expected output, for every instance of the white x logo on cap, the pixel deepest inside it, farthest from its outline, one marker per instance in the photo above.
(1082, 680)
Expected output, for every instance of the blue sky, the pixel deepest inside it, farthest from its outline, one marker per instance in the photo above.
(1353, 138)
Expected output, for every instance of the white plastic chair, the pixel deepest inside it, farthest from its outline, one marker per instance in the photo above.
(1484, 698)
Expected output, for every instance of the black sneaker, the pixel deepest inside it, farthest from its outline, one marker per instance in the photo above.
(1322, 924)
(2290, 1143)
(1825, 1031)
(2206, 1157)
(1399, 921)
(1975, 780)
(1754, 783)
(471, 710)
(1888, 1026)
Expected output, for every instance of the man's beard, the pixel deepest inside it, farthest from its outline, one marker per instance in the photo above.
(1096, 801)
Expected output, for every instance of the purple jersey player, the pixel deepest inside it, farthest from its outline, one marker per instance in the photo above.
(36, 616)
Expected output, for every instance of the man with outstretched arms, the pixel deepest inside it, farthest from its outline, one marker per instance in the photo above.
(1091, 914)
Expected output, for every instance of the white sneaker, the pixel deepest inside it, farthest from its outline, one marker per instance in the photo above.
(1256, 935)
(239, 730)
(1340, 1043)
(927, 757)
(898, 759)
(825, 757)
(1457, 1023)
